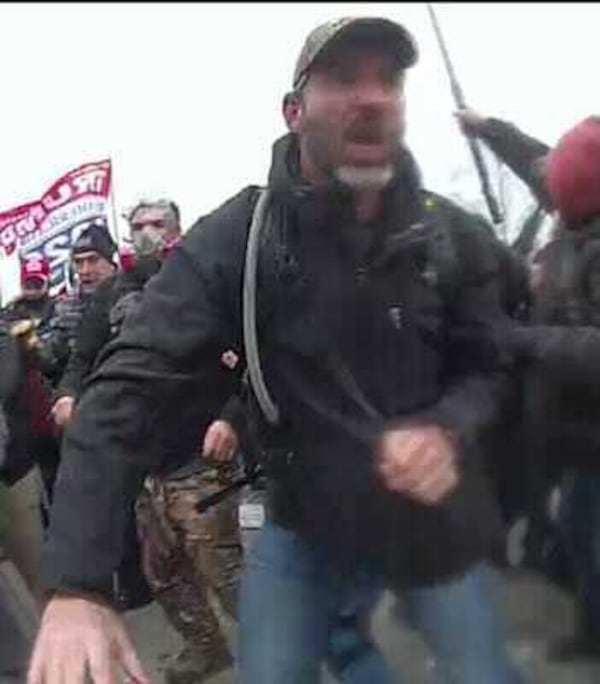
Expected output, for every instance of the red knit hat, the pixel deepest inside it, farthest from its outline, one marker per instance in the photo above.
(35, 267)
(573, 173)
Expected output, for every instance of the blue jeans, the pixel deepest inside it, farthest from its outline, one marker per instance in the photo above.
(299, 611)
(580, 524)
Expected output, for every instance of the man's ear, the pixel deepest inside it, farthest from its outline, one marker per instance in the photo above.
(292, 111)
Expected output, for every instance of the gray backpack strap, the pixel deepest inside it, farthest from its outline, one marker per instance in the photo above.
(255, 374)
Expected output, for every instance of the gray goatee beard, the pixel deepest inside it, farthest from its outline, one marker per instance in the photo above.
(365, 177)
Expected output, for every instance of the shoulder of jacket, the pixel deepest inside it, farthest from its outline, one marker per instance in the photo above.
(474, 241)
(233, 209)
(225, 228)
(462, 222)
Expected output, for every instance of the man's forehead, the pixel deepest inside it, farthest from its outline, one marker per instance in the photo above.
(84, 256)
(354, 54)
(151, 213)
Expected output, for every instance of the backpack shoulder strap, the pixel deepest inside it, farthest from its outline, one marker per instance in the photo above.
(260, 218)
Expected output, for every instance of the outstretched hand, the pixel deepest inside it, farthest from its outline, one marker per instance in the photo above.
(81, 641)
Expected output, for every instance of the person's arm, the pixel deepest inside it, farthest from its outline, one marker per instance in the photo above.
(522, 153)
(52, 349)
(139, 412)
(141, 407)
(93, 332)
(477, 371)
(10, 364)
(421, 456)
(563, 354)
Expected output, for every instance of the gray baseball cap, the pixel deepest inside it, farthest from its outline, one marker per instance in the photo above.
(386, 34)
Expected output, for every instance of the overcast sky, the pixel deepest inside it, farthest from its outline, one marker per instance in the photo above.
(185, 98)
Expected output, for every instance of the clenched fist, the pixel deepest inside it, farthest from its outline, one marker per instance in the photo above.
(470, 121)
(62, 411)
(419, 462)
(220, 442)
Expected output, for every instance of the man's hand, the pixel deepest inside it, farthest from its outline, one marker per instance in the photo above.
(78, 636)
(419, 462)
(470, 121)
(23, 328)
(220, 442)
(62, 411)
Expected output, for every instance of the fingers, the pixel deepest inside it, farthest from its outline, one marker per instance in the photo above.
(434, 486)
(419, 463)
(131, 663)
(101, 665)
(56, 661)
(220, 442)
(62, 411)
(77, 635)
(34, 673)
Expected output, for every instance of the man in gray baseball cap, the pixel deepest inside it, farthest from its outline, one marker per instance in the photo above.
(377, 479)
(383, 34)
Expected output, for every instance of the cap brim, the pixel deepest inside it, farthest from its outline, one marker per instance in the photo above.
(382, 35)
(41, 279)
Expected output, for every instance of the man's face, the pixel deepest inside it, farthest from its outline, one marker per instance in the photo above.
(351, 115)
(91, 269)
(152, 228)
(34, 289)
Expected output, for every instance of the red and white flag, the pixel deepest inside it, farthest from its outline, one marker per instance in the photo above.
(49, 226)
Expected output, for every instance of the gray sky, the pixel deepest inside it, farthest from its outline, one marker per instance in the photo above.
(185, 98)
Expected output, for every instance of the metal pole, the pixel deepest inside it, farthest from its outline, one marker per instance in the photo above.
(111, 196)
(474, 146)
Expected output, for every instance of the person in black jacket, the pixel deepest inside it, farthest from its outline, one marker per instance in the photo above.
(531, 471)
(33, 442)
(378, 479)
(183, 553)
(561, 348)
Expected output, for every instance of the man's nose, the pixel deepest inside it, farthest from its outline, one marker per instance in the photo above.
(371, 94)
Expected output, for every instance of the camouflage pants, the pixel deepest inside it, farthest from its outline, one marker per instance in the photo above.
(187, 554)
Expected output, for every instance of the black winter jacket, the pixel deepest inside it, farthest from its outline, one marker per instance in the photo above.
(340, 303)
(96, 329)
(559, 351)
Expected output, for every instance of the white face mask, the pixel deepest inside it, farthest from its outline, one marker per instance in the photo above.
(149, 240)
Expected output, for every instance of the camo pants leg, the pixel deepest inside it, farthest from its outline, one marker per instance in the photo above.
(212, 538)
(181, 593)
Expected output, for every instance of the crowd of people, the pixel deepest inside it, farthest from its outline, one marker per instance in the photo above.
(403, 384)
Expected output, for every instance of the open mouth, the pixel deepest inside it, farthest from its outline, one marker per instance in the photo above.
(366, 138)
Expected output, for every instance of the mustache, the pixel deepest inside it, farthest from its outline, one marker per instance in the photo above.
(371, 129)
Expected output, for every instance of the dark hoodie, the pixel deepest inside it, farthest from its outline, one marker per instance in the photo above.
(337, 311)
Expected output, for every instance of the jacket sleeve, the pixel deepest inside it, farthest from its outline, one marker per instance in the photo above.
(477, 378)
(10, 364)
(151, 389)
(523, 154)
(564, 354)
(53, 352)
(92, 334)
